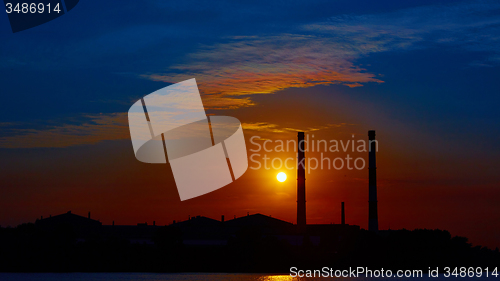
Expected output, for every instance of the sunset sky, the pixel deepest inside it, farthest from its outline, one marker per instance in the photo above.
(423, 74)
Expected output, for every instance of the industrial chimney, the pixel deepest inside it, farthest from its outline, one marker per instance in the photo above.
(301, 182)
(342, 214)
(372, 183)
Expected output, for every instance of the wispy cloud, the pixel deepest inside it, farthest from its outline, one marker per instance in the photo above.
(228, 73)
(471, 26)
(275, 128)
(96, 129)
(325, 53)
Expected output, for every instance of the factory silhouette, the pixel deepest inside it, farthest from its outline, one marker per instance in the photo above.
(200, 230)
(252, 243)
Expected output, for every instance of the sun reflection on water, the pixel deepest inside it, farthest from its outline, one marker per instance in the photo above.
(277, 278)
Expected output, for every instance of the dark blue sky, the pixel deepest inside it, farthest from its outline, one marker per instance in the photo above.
(98, 52)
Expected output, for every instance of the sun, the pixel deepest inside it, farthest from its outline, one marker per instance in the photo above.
(281, 177)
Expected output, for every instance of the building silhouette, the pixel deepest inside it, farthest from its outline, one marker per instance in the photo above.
(201, 230)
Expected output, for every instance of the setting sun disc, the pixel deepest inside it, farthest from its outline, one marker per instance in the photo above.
(281, 177)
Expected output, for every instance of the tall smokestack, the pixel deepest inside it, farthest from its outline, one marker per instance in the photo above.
(342, 214)
(301, 182)
(372, 183)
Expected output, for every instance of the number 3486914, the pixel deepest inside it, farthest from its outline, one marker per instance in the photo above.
(31, 8)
